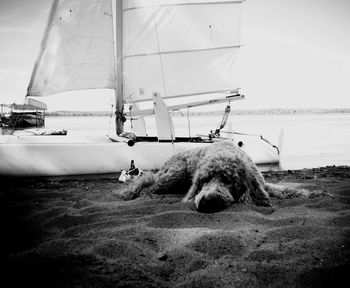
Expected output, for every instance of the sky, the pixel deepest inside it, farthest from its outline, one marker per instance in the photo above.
(296, 54)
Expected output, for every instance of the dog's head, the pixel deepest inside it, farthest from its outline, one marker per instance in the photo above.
(213, 197)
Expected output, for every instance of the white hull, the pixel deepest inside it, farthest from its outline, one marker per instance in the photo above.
(67, 155)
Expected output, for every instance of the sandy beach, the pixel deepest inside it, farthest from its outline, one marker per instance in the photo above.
(75, 233)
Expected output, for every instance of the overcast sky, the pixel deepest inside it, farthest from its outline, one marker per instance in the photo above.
(296, 54)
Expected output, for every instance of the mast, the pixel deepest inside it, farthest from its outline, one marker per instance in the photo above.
(119, 111)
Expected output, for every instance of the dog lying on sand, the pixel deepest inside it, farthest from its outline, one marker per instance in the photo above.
(214, 177)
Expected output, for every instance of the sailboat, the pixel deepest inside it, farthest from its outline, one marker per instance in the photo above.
(146, 51)
(29, 114)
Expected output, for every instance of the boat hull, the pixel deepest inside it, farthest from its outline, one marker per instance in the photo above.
(25, 156)
(23, 120)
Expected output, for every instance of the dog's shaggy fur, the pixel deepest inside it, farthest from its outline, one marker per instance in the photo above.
(214, 178)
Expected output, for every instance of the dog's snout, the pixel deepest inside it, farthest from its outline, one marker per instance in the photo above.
(211, 203)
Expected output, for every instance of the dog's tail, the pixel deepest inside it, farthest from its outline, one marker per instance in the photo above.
(135, 187)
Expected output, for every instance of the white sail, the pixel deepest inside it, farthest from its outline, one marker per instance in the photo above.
(77, 51)
(180, 48)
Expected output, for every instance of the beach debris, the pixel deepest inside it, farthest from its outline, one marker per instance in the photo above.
(124, 176)
(133, 172)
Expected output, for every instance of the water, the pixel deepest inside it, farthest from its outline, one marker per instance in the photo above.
(309, 140)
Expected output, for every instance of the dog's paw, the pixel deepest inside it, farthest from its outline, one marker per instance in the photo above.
(125, 194)
(316, 194)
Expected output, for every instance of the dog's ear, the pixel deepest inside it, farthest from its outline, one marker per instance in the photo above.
(194, 189)
(240, 185)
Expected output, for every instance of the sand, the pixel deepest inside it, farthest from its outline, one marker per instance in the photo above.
(74, 233)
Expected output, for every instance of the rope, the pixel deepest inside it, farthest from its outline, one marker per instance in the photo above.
(130, 111)
(223, 122)
(255, 135)
(225, 116)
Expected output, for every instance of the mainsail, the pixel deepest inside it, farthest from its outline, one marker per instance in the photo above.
(77, 51)
(180, 47)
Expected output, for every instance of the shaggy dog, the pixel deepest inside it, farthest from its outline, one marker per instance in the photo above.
(214, 177)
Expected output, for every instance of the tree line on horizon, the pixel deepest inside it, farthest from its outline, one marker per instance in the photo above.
(271, 111)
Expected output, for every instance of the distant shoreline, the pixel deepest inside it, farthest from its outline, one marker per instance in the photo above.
(273, 111)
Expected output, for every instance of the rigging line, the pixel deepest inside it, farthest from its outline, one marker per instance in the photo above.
(163, 77)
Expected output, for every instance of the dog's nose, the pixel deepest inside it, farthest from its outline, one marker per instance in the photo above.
(211, 203)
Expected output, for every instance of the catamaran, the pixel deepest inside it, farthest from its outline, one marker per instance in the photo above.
(146, 51)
